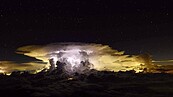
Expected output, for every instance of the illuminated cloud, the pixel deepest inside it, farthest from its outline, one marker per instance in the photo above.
(10, 66)
(101, 56)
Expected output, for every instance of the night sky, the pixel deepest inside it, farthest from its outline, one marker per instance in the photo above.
(134, 26)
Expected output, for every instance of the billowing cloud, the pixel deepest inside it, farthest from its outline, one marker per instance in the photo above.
(101, 56)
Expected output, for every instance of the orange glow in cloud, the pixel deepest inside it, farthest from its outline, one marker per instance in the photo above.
(101, 56)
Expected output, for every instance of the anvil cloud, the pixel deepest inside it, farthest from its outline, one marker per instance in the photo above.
(101, 56)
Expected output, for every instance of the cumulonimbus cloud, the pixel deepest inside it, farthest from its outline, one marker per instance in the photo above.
(102, 56)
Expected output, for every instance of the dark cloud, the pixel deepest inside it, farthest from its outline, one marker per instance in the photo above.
(100, 84)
